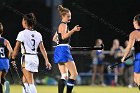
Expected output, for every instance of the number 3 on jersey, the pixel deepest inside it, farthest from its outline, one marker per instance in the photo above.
(33, 44)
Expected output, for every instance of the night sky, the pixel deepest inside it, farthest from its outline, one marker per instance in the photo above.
(118, 13)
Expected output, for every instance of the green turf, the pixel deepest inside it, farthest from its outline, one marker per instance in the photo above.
(79, 89)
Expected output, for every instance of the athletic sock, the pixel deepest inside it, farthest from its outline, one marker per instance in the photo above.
(70, 85)
(61, 85)
(139, 87)
(32, 88)
(25, 89)
(6, 87)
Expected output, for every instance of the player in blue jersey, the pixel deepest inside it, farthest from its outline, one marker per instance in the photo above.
(134, 40)
(62, 55)
(98, 63)
(5, 54)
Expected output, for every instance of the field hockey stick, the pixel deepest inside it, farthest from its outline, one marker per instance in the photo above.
(16, 69)
(11, 75)
(87, 48)
(114, 65)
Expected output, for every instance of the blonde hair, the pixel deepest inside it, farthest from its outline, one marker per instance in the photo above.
(63, 11)
(1, 28)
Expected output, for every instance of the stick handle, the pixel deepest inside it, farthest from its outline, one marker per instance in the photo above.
(87, 48)
(120, 62)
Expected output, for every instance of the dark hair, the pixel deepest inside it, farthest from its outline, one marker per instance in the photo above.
(62, 10)
(137, 18)
(1, 28)
(30, 19)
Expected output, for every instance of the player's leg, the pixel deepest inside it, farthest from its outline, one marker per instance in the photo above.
(116, 75)
(121, 74)
(4, 72)
(101, 71)
(137, 72)
(73, 74)
(1, 90)
(130, 72)
(64, 75)
(28, 81)
(94, 73)
(137, 79)
(5, 83)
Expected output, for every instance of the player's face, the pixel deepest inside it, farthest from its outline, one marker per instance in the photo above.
(23, 23)
(116, 43)
(99, 42)
(67, 17)
(135, 24)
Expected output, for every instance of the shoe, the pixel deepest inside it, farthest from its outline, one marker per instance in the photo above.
(93, 84)
(103, 84)
(6, 87)
(130, 86)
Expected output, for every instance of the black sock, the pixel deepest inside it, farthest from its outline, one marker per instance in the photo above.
(1, 91)
(61, 85)
(3, 80)
(139, 87)
(70, 85)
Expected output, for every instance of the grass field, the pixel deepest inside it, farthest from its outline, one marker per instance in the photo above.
(79, 89)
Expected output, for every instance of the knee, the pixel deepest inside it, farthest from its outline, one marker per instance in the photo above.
(28, 79)
(135, 78)
(64, 76)
(74, 74)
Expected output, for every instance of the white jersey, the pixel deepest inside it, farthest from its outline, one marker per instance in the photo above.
(30, 41)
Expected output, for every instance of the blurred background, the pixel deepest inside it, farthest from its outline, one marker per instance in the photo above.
(100, 19)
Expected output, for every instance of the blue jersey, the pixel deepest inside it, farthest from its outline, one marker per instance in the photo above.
(60, 40)
(3, 49)
(99, 53)
(4, 61)
(62, 51)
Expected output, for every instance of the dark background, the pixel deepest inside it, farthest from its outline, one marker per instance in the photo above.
(95, 24)
(119, 13)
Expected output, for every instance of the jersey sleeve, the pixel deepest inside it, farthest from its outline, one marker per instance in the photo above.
(20, 37)
(40, 37)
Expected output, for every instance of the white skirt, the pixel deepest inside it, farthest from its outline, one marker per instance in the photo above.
(30, 62)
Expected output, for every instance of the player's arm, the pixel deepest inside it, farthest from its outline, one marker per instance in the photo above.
(55, 37)
(16, 49)
(130, 45)
(44, 53)
(8, 45)
(93, 54)
(122, 51)
(112, 51)
(63, 28)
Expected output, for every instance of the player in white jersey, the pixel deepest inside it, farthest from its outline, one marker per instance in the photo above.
(29, 40)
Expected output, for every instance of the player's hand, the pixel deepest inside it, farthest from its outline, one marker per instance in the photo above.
(48, 66)
(13, 63)
(122, 60)
(77, 28)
